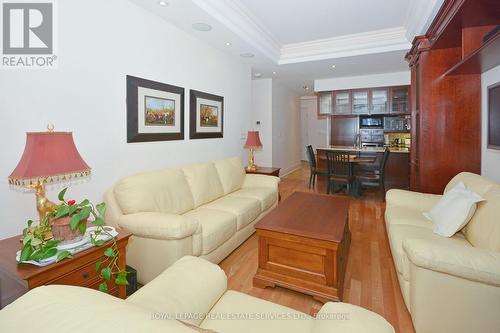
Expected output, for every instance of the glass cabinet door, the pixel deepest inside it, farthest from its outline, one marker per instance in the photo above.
(325, 103)
(342, 101)
(360, 101)
(399, 100)
(379, 101)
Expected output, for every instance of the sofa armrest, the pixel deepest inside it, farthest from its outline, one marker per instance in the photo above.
(415, 200)
(343, 317)
(459, 260)
(255, 180)
(187, 290)
(158, 225)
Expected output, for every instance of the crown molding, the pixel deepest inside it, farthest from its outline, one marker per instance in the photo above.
(419, 17)
(237, 18)
(376, 41)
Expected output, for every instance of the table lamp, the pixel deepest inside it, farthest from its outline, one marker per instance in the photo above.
(253, 143)
(49, 157)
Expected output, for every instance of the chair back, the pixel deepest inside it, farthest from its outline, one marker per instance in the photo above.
(338, 163)
(311, 157)
(383, 163)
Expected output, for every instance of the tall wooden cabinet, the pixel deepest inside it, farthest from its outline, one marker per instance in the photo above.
(446, 102)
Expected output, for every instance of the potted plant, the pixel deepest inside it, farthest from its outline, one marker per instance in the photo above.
(68, 223)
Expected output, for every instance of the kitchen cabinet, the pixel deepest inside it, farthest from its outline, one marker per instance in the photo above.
(399, 100)
(344, 130)
(379, 101)
(360, 102)
(325, 103)
(342, 102)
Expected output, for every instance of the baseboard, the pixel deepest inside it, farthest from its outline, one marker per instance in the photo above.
(287, 171)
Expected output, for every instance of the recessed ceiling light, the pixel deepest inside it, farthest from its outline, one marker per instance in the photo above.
(274, 73)
(333, 66)
(257, 74)
(200, 26)
(229, 43)
(162, 3)
(247, 55)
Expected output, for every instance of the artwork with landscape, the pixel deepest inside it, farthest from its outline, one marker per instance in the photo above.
(208, 115)
(159, 111)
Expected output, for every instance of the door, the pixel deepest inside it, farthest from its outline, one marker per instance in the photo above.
(360, 101)
(379, 100)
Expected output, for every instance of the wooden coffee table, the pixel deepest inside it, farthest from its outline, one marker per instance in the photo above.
(303, 245)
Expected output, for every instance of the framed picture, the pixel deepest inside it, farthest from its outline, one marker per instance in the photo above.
(206, 115)
(155, 111)
(494, 116)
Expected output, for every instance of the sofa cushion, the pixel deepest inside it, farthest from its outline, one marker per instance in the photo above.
(231, 174)
(473, 182)
(266, 196)
(406, 216)
(398, 233)
(483, 230)
(158, 225)
(204, 182)
(237, 312)
(216, 227)
(245, 209)
(164, 191)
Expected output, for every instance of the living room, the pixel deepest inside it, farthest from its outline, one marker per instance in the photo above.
(250, 165)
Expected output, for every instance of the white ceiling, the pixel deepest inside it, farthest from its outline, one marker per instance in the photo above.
(300, 40)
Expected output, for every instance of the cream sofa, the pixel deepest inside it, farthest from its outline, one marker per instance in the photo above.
(448, 284)
(205, 209)
(192, 290)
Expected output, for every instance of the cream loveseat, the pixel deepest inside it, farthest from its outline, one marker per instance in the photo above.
(205, 209)
(192, 290)
(448, 284)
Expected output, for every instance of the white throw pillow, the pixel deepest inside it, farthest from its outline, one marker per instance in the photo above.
(454, 210)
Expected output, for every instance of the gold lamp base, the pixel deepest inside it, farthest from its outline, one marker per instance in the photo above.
(43, 205)
(251, 161)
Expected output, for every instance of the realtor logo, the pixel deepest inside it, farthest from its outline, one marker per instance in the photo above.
(28, 34)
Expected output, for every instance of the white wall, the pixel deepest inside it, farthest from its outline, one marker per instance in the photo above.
(99, 43)
(364, 81)
(262, 110)
(286, 128)
(314, 128)
(490, 158)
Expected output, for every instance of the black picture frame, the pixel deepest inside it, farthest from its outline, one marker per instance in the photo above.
(193, 114)
(494, 116)
(133, 134)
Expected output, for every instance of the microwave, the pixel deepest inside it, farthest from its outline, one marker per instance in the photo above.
(371, 122)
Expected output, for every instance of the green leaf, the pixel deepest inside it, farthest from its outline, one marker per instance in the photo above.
(72, 209)
(101, 208)
(110, 252)
(49, 252)
(84, 203)
(27, 239)
(121, 281)
(52, 243)
(99, 242)
(103, 287)
(85, 213)
(35, 242)
(106, 273)
(61, 211)
(98, 265)
(74, 221)
(30, 222)
(98, 221)
(61, 194)
(82, 227)
(26, 252)
(64, 255)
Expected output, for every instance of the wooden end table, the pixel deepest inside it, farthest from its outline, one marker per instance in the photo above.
(15, 280)
(269, 171)
(303, 245)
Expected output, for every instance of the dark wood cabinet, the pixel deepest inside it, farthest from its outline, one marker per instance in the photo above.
(360, 101)
(446, 110)
(344, 130)
(379, 101)
(342, 102)
(325, 103)
(400, 100)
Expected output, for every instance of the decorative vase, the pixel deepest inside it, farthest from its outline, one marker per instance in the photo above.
(61, 231)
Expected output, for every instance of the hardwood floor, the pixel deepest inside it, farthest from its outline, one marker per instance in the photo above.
(370, 279)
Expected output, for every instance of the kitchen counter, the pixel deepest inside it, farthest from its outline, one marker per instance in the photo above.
(366, 150)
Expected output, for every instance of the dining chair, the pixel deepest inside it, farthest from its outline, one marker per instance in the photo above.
(375, 178)
(339, 170)
(313, 167)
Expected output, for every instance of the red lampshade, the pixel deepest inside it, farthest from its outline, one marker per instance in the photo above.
(49, 157)
(253, 140)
